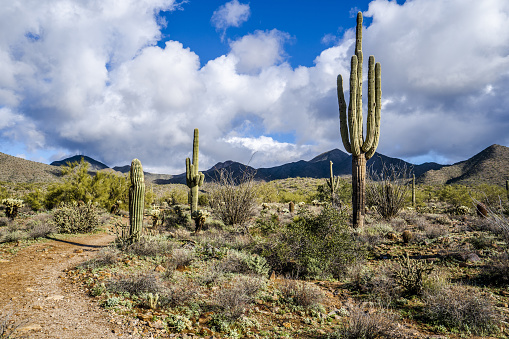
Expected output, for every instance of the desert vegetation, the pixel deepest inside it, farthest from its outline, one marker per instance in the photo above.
(377, 256)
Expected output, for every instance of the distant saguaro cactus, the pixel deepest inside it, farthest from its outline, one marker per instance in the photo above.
(413, 190)
(333, 183)
(194, 179)
(351, 127)
(136, 200)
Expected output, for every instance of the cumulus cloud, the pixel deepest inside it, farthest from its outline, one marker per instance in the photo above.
(231, 14)
(88, 76)
(259, 50)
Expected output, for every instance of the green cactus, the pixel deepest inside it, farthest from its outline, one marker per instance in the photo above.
(333, 183)
(351, 127)
(194, 179)
(413, 190)
(12, 207)
(136, 200)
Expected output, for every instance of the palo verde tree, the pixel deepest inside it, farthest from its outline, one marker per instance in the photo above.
(362, 148)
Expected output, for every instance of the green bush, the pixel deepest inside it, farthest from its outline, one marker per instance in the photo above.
(12, 207)
(35, 200)
(313, 245)
(104, 188)
(76, 217)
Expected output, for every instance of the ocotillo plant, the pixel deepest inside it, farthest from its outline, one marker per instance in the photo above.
(333, 183)
(413, 190)
(351, 127)
(136, 200)
(194, 179)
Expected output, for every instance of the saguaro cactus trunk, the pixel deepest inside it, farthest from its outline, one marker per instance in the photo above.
(351, 126)
(194, 179)
(136, 200)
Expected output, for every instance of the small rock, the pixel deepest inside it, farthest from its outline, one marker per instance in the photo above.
(159, 268)
(37, 307)
(55, 297)
(273, 275)
(31, 327)
(28, 289)
(78, 251)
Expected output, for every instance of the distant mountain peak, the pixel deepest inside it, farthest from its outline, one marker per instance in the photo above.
(94, 164)
(333, 155)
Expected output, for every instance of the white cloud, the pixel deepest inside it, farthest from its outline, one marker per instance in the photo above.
(231, 14)
(89, 77)
(259, 50)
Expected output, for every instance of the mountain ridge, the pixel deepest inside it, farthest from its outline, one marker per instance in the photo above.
(491, 165)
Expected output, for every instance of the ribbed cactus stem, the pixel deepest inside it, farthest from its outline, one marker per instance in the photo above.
(413, 190)
(194, 179)
(332, 182)
(351, 123)
(136, 200)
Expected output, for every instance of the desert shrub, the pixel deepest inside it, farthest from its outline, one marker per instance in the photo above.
(150, 246)
(181, 257)
(37, 229)
(12, 207)
(176, 216)
(313, 245)
(367, 325)
(343, 194)
(233, 199)
(35, 200)
(106, 256)
(104, 188)
(213, 272)
(135, 284)
(410, 275)
(177, 293)
(433, 231)
(457, 195)
(387, 190)
(242, 262)
(301, 293)
(497, 271)
(4, 221)
(13, 236)
(460, 308)
(377, 283)
(234, 299)
(76, 217)
(266, 192)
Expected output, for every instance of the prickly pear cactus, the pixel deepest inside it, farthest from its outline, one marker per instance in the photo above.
(136, 200)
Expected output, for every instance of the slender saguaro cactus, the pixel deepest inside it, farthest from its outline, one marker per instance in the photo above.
(351, 127)
(333, 183)
(194, 179)
(136, 200)
(413, 190)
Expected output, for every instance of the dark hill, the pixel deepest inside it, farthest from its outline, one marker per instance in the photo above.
(94, 164)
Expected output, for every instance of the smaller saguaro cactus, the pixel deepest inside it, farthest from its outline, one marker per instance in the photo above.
(413, 190)
(136, 200)
(194, 179)
(291, 207)
(333, 183)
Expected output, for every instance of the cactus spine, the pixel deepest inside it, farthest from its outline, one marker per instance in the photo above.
(413, 190)
(194, 179)
(136, 200)
(333, 183)
(351, 127)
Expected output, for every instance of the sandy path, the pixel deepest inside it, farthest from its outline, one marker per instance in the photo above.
(32, 290)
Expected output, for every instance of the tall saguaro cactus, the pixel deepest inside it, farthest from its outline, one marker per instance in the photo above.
(194, 179)
(362, 148)
(136, 200)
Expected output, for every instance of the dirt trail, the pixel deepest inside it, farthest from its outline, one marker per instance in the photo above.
(32, 290)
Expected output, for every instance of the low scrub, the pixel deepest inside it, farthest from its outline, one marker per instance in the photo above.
(76, 217)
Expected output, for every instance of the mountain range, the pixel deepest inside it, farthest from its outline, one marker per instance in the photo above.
(488, 166)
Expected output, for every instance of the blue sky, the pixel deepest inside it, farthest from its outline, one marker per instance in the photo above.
(132, 79)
